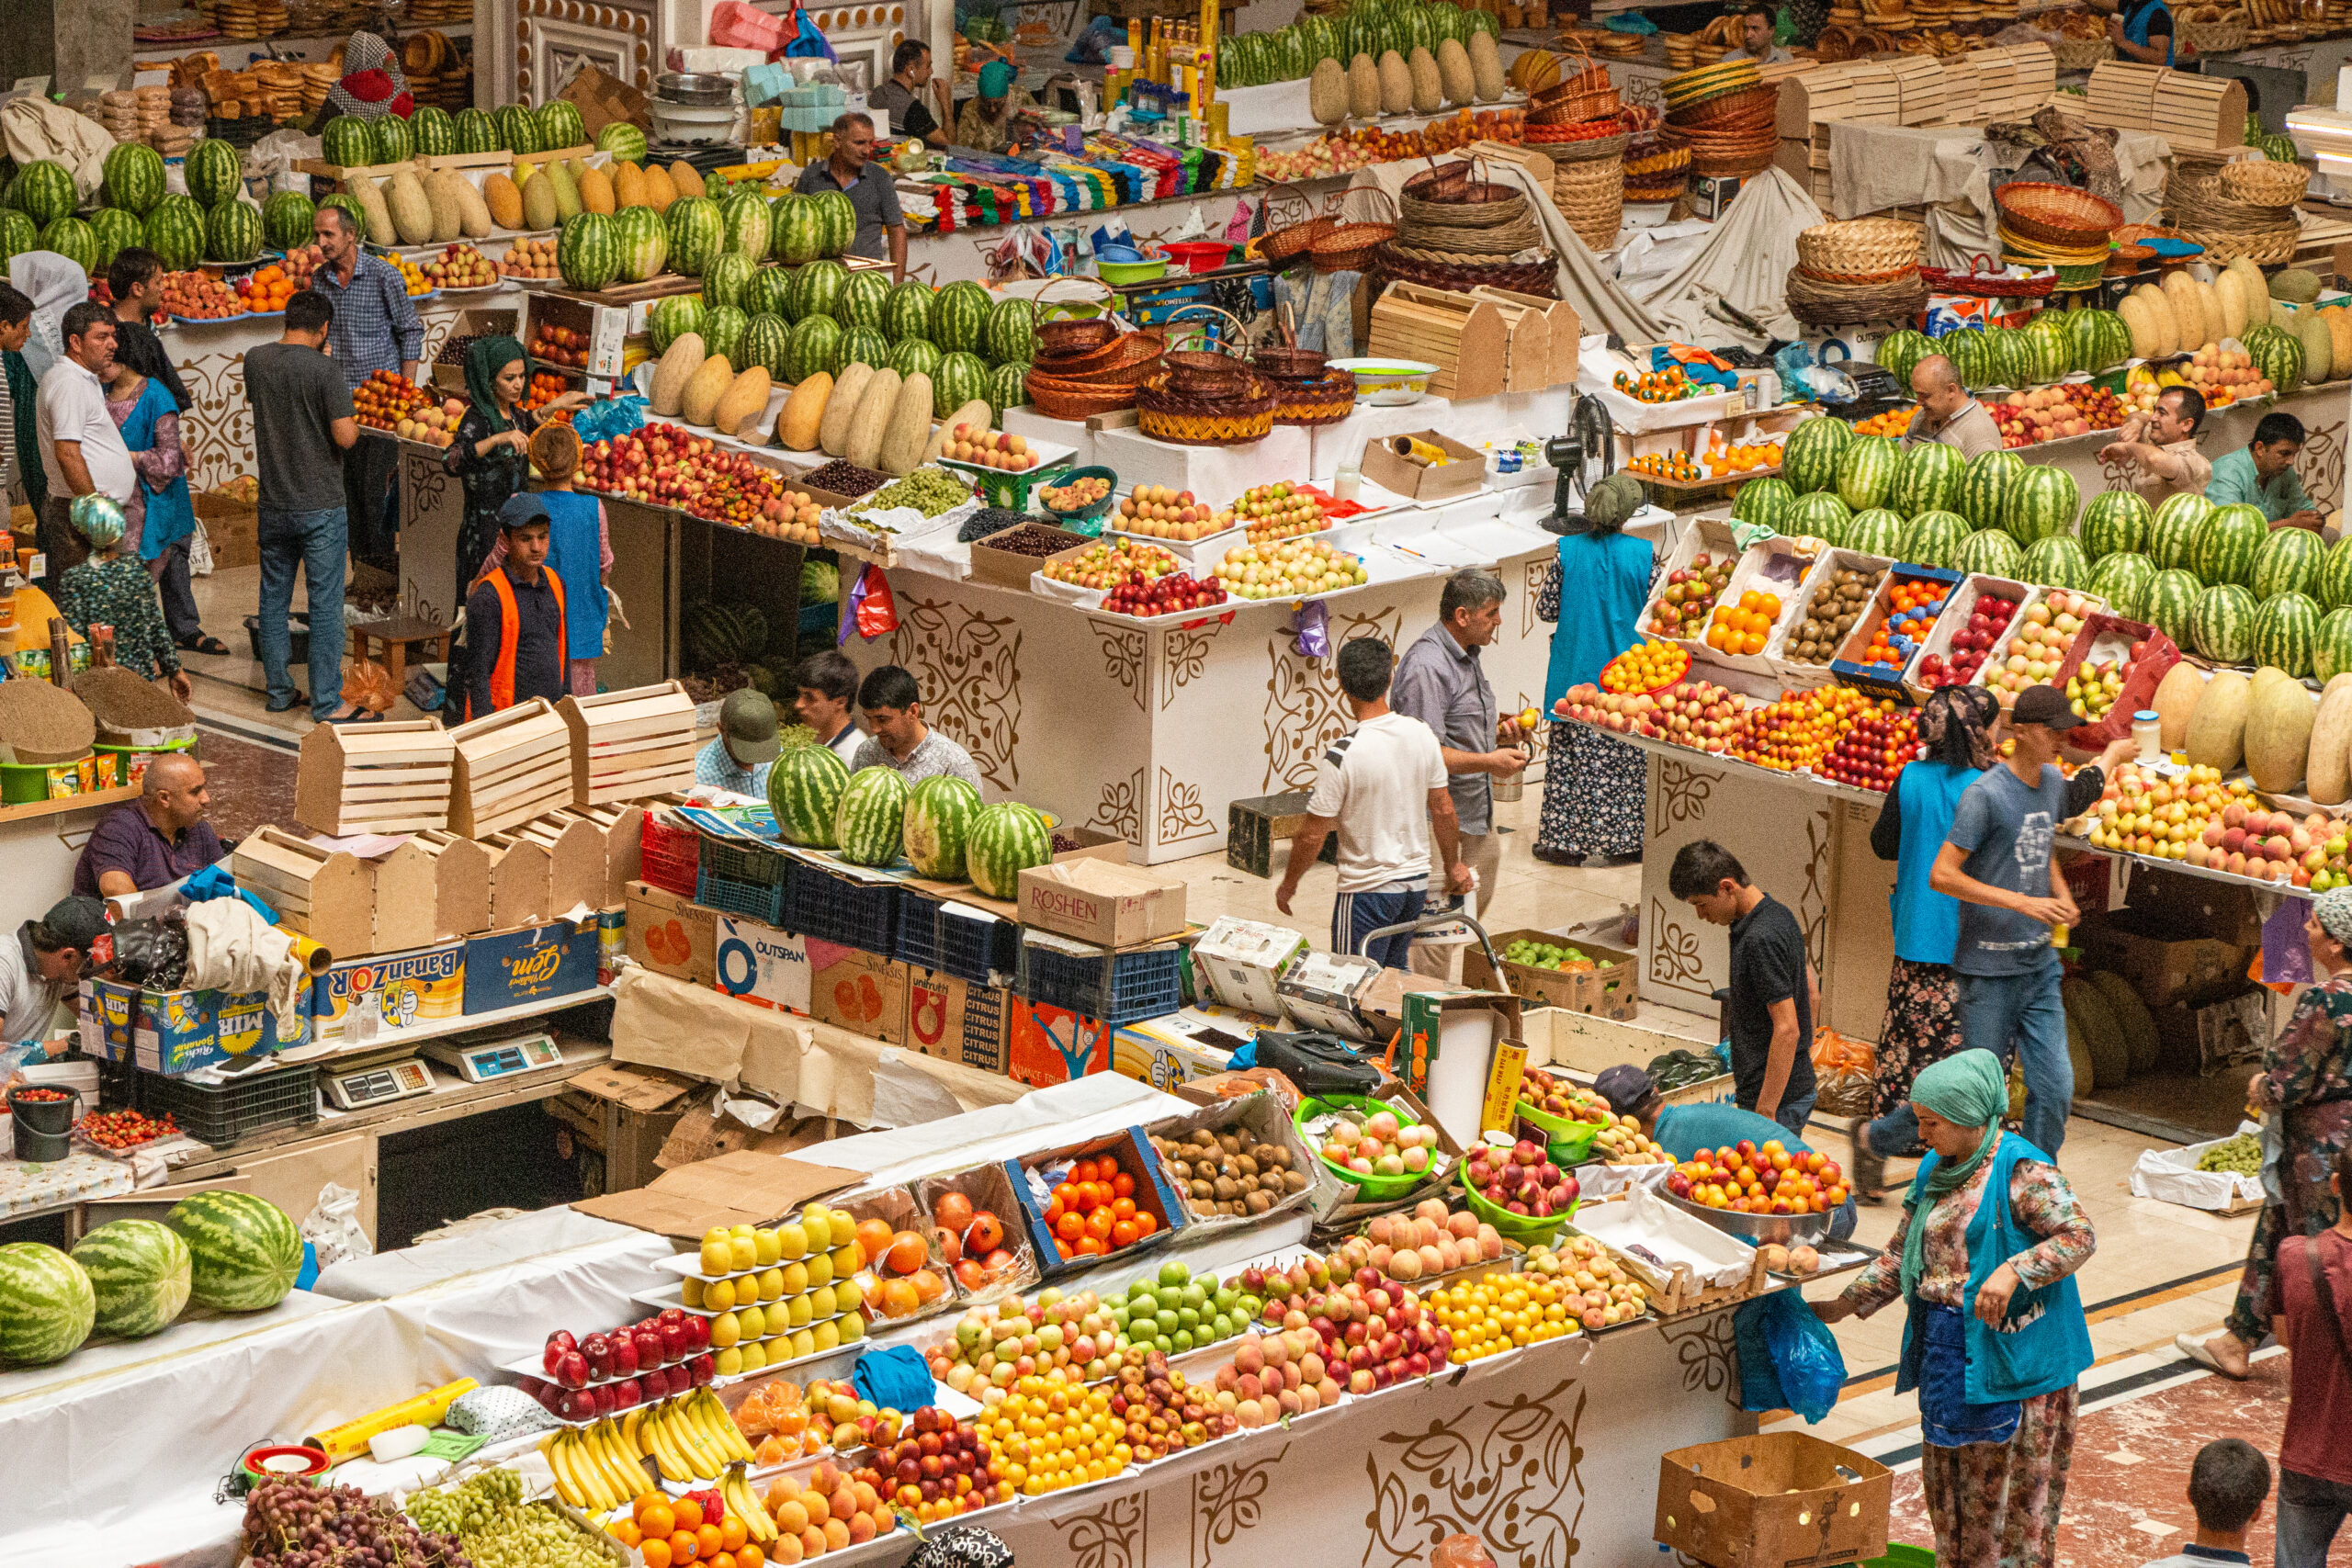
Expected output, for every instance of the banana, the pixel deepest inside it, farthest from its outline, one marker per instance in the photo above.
(669, 1456)
(560, 1460)
(591, 1443)
(691, 1441)
(746, 1502)
(716, 1427)
(584, 1479)
(626, 1474)
(629, 1425)
(724, 1423)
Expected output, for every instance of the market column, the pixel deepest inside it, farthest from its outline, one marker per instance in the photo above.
(69, 41)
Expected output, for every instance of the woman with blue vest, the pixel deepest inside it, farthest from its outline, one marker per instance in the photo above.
(1595, 789)
(2140, 30)
(1997, 1337)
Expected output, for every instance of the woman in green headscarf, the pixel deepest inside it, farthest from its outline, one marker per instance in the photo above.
(1997, 1337)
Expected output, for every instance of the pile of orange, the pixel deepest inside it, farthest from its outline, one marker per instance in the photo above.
(1093, 1212)
(545, 388)
(1743, 627)
(1893, 422)
(1666, 386)
(1674, 465)
(267, 290)
(1799, 729)
(1740, 457)
(669, 1532)
(1645, 667)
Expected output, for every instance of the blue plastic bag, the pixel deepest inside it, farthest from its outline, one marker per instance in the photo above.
(603, 420)
(1788, 1358)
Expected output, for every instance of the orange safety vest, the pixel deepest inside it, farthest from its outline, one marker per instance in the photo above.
(501, 675)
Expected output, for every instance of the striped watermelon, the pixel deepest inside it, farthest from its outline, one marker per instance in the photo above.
(769, 293)
(836, 224)
(870, 818)
(2041, 504)
(743, 225)
(43, 191)
(342, 200)
(695, 233)
(2171, 597)
(113, 228)
(587, 253)
(1004, 840)
(2049, 349)
(1971, 353)
(286, 219)
(347, 144)
(232, 232)
(816, 346)
(959, 318)
(18, 234)
(2284, 629)
(672, 318)
(72, 238)
(908, 315)
(1820, 515)
(1763, 501)
(2123, 579)
(2227, 542)
(477, 132)
(1989, 552)
(561, 125)
(135, 178)
(914, 356)
(795, 229)
(643, 242)
(518, 131)
(243, 1252)
(864, 300)
(391, 134)
(1874, 531)
(215, 173)
(1008, 387)
(1928, 479)
(2288, 562)
(959, 378)
(2332, 645)
(939, 816)
(1866, 467)
(2172, 536)
(1809, 460)
(435, 133)
(866, 345)
(2221, 624)
(47, 1306)
(2057, 560)
(623, 140)
(2116, 521)
(2011, 358)
(804, 789)
(2101, 341)
(817, 289)
(1932, 538)
(175, 232)
(723, 280)
(140, 1273)
(2334, 590)
(2278, 355)
(765, 342)
(1012, 336)
(722, 332)
(1899, 351)
(1984, 488)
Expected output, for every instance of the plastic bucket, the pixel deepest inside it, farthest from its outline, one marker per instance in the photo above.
(43, 1127)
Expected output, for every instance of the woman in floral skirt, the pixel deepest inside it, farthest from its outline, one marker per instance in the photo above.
(1595, 789)
(1996, 1337)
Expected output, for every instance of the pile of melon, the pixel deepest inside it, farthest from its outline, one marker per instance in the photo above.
(2289, 741)
(2183, 314)
(2110, 1036)
(874, 418)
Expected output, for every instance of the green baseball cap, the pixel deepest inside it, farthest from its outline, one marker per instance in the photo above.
(747, 721)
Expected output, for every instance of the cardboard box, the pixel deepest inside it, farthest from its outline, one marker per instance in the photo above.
(1584, 1046)
(603, 100)
(1426, 1013)
(623, 1116)
(396, 990)
(176, 1033)
(1100, 902)
(1710, 193)
(109, 1015)
(1136, 1158)
(1261, 1118)
(955, 1021)
(861, 992)
(758, 963)
(1241, 963)
(2163, 968)
(1613, 992)
(672, 935)
(1004, 569)
(1773, 1501)
(1384, 468)
(531, 964)
(2184, 906)
(1324, 990)
(744, 1187)
(1046, 1044)
(1181, 1047)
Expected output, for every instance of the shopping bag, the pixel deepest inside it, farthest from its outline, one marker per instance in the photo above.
(1788, 1358)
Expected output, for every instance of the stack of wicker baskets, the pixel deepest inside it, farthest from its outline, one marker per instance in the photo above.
(2235, 208)
(1588, 187)
(1206, 396)
(1866, 269)
(2056, 226)
(1728, 117)
(1088, 366)
(1658, 165)
(1457, 231)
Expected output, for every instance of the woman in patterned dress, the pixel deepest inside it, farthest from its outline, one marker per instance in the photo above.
(1995, 1337)
(1595, 789)
(111, 589)
(2306, 1085)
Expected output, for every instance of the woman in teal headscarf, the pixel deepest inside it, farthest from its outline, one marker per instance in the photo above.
(1997, 1337)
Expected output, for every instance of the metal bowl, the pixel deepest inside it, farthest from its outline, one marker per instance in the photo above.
(1756, 1229)
(693, 87)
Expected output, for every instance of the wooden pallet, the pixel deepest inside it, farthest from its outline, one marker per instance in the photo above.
(1466, 338)
(512, 765)
(378, 778)
(630, 744)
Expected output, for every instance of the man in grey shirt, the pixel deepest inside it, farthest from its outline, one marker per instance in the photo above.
(1997, 860)
(900, 740)
(851, 169)
(1440, 681)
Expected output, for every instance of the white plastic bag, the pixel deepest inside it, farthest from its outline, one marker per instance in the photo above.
(332, 1226)
(2170, 1175)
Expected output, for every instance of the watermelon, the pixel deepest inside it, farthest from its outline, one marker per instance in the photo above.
(389, 132)
(2122, 579)
(1764, 501)
(1012, 336)
(140, 1273)
(561, 125)
(175, 232)
(724, 279)
(1971, 353)
(623, 140)
(642, 242)
(347, 144)
(804, 787)
(1809, 460)
(869, 820)
(1866, 471)
(1899, 353)
(1928, 479)
(2116, 521)
(244, 1253)
(18, 234)
(232, 233)
(2221, 624)
(1932, 538)
(1985, 487)
(2332, 645)
(113, 228)
(435, 133)
(1875, 531)
(2101, 341)
(587, 252)
(672, 318)
(72, 238)
(908, 314)
(769, 293)
(959, 378)
(2227, 542)
(286, 219)
(796, 229)
(817, 289)
(2172, 536)
(836, 222)
(1989, 552)
(914, 356)
(722, 332)
(863, 299)
(2284, 629)
(2278, 355)
(47, 1305)
(959, 318)
(697, 233)
(939, 815)
(477, 132)
(866, 345)
(518, 130)
(2049, 349)
(816, 346)
(1008, 387)
(1004, 840)
(2041, 504)
(135, 178)
(1820, 515)
(2011, 358)
(44, 192)
(2057, 560)
(2171, 597)
(2288, 562)
(743, 225)
(765, 342)
(2334, 590)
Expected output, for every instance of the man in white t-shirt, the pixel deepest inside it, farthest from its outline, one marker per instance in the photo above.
(1383, 789)
(81, 449)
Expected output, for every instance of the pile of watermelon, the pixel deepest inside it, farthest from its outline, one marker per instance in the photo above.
(870, 818)
(2053, 345)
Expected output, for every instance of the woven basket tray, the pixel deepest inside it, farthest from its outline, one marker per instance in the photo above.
(1589, 150)
(1057, 399)
(2213, 37)
(2258, 182)
(2081, 53)
(1324, 402)
(1464, 274)
(1746, 103)
(2058, 216)
(2263, 248)
(1170, 416)
(1821, 305)
(1120, 352)
(1860, 245)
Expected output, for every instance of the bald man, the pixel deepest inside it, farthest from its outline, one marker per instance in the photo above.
(1948, 414)
(155, 841)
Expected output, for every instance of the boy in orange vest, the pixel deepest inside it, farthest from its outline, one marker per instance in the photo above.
(514, 617)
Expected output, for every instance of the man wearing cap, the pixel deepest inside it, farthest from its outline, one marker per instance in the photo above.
(156, 839)
(850, 169)
(1683, 1130)
(1997, 860)
(986, 125)
(36, 971)
(514, 617)
(738, 761)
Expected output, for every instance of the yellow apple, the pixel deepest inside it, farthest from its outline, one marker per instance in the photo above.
(803, 1344)
(755, 1358)
(718, 1295)
(765, 1249)
(746, 1254)
(795, 1278)
(690, 1291)
(771, 1284)
(823, 1302)
(847, 1260)
(718, 1257)
(791, 1242)
(820, 1269)
(816, 1223)
(828, 1335)
(795, 1311)
(724, 1331)
(751, 1323)
(848, 1296)
(852, 1326)
(729, 1361)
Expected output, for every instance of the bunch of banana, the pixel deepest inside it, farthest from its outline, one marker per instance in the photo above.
(735, 1486)
(690, 1437)
(594, 1468)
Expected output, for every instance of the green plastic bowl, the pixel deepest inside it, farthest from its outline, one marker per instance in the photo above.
(1133, 271)
(1520, 1228)
(1570, 1141)
(1093, 510)
(1375, 1188)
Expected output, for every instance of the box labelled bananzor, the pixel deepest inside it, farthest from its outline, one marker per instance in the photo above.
(425, 984)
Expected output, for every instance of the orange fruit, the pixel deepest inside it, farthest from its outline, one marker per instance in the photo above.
(684, 1548)
(654, 1515)
(709, 1541)
(874, 1235)
(688, 1512)
(656, 1554)
(901, 1254)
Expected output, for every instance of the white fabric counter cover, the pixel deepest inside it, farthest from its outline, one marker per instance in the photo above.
(1744, 262)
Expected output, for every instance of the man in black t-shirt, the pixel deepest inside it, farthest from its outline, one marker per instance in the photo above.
(901, 98)
(1773, 990)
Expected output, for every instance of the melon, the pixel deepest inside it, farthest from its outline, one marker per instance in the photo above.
(47, 1306)
(2279, 724)
(2175, 701)
(2216, 736)
(2327, 765)
(2110, 1057)
(243, 1253)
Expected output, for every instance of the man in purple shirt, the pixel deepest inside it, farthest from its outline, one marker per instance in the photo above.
(154, 841)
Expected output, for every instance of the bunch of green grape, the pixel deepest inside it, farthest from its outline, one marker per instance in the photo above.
(472, 1509)
(2242, 1155)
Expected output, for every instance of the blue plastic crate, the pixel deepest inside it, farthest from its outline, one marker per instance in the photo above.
(863, 915)
(970, 948)
(918, 929)
(1117, 988)
(734, 896)
(742, 862)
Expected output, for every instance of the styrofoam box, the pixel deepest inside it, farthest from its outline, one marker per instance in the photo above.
(1227, 471)
(1771, 566)
(1832, 562)
(1709, 535)
(2001, 650)
(1957, 610)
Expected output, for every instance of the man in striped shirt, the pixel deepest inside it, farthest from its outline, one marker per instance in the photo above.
(375, 327)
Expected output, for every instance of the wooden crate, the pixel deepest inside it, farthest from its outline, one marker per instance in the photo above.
(628, 745)
(326, 895)
(623, 828)
(461, 883)
(2199, 111)
(511, 766)
(1563, 328)
(375, 778)
(407, 880)
(1254, 827)
(1464, 338)
(575, 848)
(519, 880)
(1919, 82)
(2122, 94)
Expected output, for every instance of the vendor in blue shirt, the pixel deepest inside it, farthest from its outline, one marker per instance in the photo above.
(2140, 30)
(2262, 474)
(1683, 1130)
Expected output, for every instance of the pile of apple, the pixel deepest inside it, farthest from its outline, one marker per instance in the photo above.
(300, 262)
(1971, 643)
(529, 258)
(559, 345)
(2167, 817)
(986, 448)
(2041, 643)
(2096, 406)
(1636, 715)
(2045, 414)
(1107, 563)
(385, 399)
(1271, 1377)
(1379, 1331)
(460, 266)
(1071, 1338)
(1428, 1242)
(1519, 1178)
(1277, 511)
(1769, 1179)
(1173, 594)
(622, 1368)
(2224, 375)
(1690, 593)
(2091, 690)
(199, 297)
(1289, 568)
(1157, 512)
(2273, 846)
(1611, 1296)
(1559, 1097)
(2011, 420)
(1379, 1146)
(434, 425)
(665, 466)
(1697, 714)
(1875, 747)
(938, 1467)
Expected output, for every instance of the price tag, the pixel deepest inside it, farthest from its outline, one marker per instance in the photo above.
(101, 82)
(36, 85)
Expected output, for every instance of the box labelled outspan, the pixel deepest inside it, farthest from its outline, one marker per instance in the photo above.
(1775, 1500)
(1047, 1044)
(757, 963)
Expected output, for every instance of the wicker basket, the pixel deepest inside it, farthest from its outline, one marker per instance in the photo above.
(1584, 90)
(1348, 245)
(2054, 215)
(1113, 357)
(1823, 305)
(1229, 421)
(2265, 248)
(1741, 104)
(1274, 363)
(1326, 399)
(1057, 399)
(1587, 149)
(1078, 335)
(1860, 245)
(1443, 270)
(1439, 182)
(2211, 37)
(2259, 181)
(2081, 53)
(1299, 227)
(1857, 280)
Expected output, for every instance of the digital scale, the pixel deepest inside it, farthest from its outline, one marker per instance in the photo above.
(363, 1086)
(498, 1060)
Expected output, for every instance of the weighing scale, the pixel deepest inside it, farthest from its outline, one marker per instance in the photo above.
(497, 1059)
(363, 1086)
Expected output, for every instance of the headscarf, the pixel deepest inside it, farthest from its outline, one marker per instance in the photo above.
(484, 359)
(99, 519)
(55, 283)
(2334, 908)
(1967, 1089)
(372, 85)
(996, 79)
(1958, 716)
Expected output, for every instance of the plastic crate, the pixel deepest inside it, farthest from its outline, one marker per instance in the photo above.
(1116, 988)
(918, 929)
(975, 950)
(267, 1098)
(864, 915)
(670, 854)
(761, 901)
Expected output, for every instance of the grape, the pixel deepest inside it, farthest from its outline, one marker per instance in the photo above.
(487, 1515)
(293, 1523)
(2242, 1155)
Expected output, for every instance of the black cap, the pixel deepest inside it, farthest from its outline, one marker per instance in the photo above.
(1626, 1088)
(2047, 707)
(522, 510)
(76, 921)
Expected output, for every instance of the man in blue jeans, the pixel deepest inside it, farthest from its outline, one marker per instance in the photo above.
(1997, 860)
(1768, 1022)
(302, 424)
